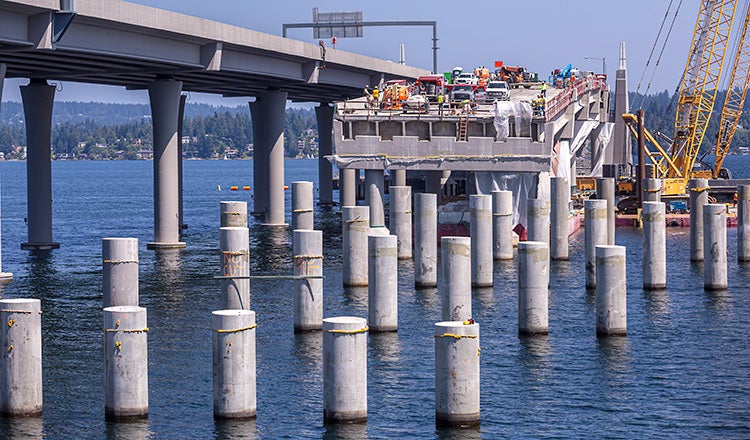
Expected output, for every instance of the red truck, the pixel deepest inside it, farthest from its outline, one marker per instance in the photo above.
(431, 86)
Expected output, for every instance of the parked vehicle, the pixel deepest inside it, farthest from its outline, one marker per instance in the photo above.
(419, 103)
(480, 94)
(461, 93)
(467, 78)
(431, 86)
(498, 90)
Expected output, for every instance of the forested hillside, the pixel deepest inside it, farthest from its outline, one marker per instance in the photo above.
(121, 131)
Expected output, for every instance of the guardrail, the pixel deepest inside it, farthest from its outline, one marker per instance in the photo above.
(562, 100)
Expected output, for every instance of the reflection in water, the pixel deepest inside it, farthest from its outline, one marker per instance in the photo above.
(244, 429)
(534, 355)
(308, 348)
(385, 346)
(168, 265)
(270, 249)
(485, 296)
(21, 428)
(169, 276)
(356, 296)
(42, 273)
(129, 430)
(560, 270)
(614, 353)
(657, 302)
(428, 299)
(719, 301)
(342, 431)
(471, 433)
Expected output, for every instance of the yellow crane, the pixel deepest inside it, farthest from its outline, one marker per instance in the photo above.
(735, 99)
(697, 95)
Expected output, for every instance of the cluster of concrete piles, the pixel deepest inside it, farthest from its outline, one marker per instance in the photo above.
(370, 258)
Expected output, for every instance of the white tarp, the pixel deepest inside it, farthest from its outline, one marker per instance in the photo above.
(581, 136)
(522, 185)
(563, 157)
(503, 112)
(522, 113)
(597, 154)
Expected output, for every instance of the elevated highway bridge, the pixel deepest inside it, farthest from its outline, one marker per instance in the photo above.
(118, 43)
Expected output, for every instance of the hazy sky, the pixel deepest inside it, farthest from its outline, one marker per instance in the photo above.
(540, 35)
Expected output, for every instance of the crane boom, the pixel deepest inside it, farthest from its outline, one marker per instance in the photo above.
(700, 82)
(735, 99)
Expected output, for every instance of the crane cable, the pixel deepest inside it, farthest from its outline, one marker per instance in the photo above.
(653, 47)
(661, 52)
(725, 80)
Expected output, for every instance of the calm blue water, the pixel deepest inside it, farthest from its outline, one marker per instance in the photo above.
(682, 372)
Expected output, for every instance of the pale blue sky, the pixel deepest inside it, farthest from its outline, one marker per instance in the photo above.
(540, 35)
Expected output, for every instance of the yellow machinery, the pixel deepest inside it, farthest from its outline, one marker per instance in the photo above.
(735, 100)
(698, 88)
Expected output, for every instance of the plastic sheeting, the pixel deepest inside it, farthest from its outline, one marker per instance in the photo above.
(581, 135)
(523, 186)
(503, 112)
(563, 157)
(597, 154)
(522, 113)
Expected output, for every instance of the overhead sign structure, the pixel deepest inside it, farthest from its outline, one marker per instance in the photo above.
(350, 24)
(337, 24)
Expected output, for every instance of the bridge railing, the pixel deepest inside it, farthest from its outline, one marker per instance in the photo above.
(567, 96)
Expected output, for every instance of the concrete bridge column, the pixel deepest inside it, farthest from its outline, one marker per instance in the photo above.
(3, 68)
(260, 173)
(398, 177)
(180, 118)
(324, 115)
(38, 98)
(377, 178)
(273, 105)
(164, 95)
(433, 183)
(347, 187)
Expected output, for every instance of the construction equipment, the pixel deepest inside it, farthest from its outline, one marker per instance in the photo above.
(697, 94)
(734, 101)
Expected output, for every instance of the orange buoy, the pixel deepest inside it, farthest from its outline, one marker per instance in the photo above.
(246, 188)
(234, 188)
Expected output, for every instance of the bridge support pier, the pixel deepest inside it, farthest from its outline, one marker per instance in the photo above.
(347, 187)
(164, 95)
(433, 184)
(260, 173)
(324, 116)
(398, 177)
(38, 99)
(180, 118)
(374, 177)
(273, 106)
(3, 68)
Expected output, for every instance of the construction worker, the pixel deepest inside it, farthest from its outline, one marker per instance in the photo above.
(376, 94)
(440, 100)
(368, 96)
(544, 89)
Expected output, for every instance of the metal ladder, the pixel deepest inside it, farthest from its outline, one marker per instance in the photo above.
(463, 127)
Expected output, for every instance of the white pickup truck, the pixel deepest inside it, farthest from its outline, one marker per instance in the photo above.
(498, 90)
